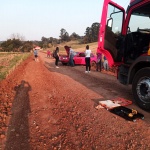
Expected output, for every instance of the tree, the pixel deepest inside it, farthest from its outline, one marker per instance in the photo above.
(64, 36)
(17, 36)
(45, 42)
(95, 31)
(91, 33)
(11, 45)
(74, 36)
(27, 46)
(44, 39)
(87, 38)
(53, 41)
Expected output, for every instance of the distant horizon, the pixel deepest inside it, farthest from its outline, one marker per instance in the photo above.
(29, 40)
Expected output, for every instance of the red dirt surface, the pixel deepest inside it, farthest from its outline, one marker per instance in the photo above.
(42, 108)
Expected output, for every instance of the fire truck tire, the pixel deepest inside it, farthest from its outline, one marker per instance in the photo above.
(141, 88)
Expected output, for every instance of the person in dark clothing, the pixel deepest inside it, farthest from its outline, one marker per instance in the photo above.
(99, 62)
(56, 56)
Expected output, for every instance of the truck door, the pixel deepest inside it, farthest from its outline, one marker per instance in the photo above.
(110, 30)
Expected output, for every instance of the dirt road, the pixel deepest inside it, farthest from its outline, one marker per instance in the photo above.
(48, 108)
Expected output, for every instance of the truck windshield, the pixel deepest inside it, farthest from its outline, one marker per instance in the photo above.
(140, 19)
(138, 36)
(139, 23)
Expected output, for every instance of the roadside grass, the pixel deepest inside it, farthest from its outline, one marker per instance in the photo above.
(8, 62)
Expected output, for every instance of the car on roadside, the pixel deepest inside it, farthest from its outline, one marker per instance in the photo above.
(79, 58)
(64, 59)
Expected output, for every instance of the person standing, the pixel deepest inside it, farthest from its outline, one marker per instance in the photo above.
(87, 59)
(48, 53)
(106, 67)
(71, 55)
(35, 51)
(99, 62)
(56, 54)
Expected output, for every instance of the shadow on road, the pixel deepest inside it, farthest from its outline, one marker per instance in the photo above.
(18, 130)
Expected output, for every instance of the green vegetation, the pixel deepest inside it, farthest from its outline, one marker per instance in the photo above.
(16, 45)
(9, 60)
(91, 35)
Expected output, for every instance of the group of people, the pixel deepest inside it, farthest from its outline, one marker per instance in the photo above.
(101, 59)
(71, 55)
(102, 62)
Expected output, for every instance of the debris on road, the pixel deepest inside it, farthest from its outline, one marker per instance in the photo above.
(126, 113)
(110, 104)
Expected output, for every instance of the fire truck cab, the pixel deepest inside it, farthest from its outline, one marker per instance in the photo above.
(124, 38)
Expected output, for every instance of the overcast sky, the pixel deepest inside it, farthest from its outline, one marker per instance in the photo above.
(36, 18)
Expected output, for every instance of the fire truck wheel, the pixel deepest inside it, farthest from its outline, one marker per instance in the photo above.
(141, 88)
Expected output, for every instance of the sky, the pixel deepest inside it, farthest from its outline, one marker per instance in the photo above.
(33, 19)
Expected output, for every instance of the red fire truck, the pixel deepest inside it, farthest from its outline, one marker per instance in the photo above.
(124, 38)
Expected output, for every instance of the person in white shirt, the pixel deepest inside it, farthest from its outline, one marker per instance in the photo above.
(35, 51)
(87, 59)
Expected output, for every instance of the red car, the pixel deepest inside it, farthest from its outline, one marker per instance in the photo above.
(79, 58)
(64, 59)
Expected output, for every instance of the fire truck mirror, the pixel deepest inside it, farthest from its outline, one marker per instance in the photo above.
(110, 23)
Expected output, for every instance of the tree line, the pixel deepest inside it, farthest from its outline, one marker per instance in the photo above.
(17, 44)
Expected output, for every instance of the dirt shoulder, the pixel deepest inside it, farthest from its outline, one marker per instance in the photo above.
(43, 107)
